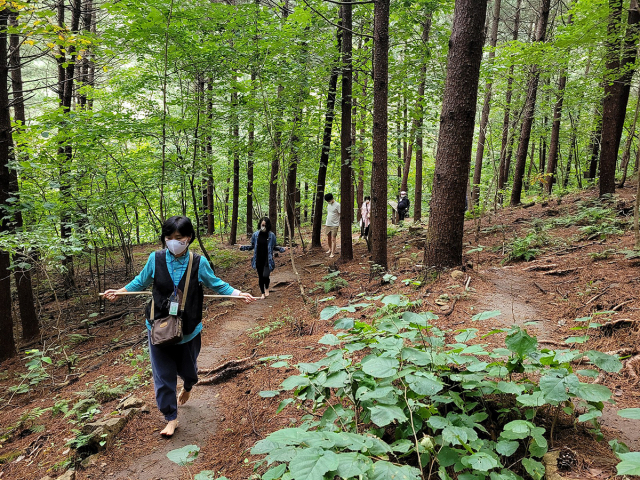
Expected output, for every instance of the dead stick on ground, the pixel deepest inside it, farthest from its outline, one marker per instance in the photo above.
(230, 363)
(619, 306)
(466, 287)
(540, 288)
(224, 375)
(598, 295)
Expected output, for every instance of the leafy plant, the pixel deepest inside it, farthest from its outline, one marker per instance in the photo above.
(397, 399)
(526, 248)
(332, 282)
(36, 371)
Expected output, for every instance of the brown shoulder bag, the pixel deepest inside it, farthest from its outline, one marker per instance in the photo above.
(168, 330)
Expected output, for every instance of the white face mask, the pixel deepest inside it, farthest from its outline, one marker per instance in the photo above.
(177, 246)
(263, 229)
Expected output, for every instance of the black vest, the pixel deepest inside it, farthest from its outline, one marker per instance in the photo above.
(163, 288)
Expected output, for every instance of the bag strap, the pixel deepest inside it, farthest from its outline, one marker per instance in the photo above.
(186, 284)
(184, 294)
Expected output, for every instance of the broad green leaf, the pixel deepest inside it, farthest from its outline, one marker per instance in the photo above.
(336, 380)
(269, 393)
(486, 315)
(585, 417)
(480, 461)
(593, 392)
(207, 475)
(364, 393)
(521, 342)
(329, 339)
(632, 413)
(630, 464)
(506, 447)
(380, 367)
(329, 312)
(313, 464)
(388, 471)
(283, 404)
(288, 436)
(510, 387)
(185, 455)
(274, 473)
(608, 363)
(352, 465)
(588, 373)
(344, 324)
(398, 300)
(517, 430)
(536, 399)
(466, 335)
(533, 468)
(415, 318)
(555, 385)
(425, 384)
(294, 381)
(280, 364)
(383, 415)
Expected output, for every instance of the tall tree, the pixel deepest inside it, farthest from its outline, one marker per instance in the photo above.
(326, 146)
(626, 154)
(621, 56)
(419, 121)
(28, 315)
(455, 141)
(233, 234)
(552, 160)
(530, 105)
(503, 169)
(484, 119)
(7, 342)
(346, 173)
(378, 225)
(250, 165)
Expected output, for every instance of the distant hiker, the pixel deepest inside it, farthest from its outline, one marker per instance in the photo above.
(332, 223)
(167, 269)
(365, 217)
(263, 243)
(403, 206)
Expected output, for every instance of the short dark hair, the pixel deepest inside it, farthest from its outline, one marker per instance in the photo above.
(182, 224)
(328, 197)
(267, 223)
(367, 198)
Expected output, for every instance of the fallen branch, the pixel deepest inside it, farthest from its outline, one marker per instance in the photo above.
(224, 375)
(450, 311)
(601, 293)
(561, 272)
(540, 288)
(466, 287)
(620, 305)
(554, 343)
(631, 367)
(229, 364)
(115, 346)
(609, 327)
(540, 268)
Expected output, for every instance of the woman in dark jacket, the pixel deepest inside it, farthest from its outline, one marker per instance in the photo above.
(167, 270)
(263, 243)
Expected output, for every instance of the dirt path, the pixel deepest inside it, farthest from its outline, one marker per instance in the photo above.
(520, 302)
(199, 417)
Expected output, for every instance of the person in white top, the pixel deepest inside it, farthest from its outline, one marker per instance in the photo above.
(333, 222)
(365, 216)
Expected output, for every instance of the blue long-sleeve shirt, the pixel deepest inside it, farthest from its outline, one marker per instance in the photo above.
(177, 266)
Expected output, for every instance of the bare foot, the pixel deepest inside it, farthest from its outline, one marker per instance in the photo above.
(328, 251)
(183, 396)
(331, 256)
(262, 297)
(266, 292)
(169, 429)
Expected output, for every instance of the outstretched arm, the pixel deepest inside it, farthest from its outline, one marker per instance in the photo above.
(249, 247)
(141, 282)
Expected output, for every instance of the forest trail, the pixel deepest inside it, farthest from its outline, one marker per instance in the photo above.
(200, 416)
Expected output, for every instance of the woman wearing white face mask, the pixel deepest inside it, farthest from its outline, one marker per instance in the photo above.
(263, 243)
(167, 270)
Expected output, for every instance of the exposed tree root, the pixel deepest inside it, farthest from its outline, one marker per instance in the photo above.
(609, 327)
(540, 268)
(226, 365)
(224, 375)
(631, 367)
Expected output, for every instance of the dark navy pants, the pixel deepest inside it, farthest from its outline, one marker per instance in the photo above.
(167, 363)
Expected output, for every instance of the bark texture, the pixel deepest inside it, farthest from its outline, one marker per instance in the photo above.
(455, 141)
(346, 173)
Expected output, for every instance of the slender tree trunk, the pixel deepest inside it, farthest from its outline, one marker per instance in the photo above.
(419, 121)
(211, 225)
(552, 159)
(379, 174)
(530, 105)
(275, 168)
(455, 142)
(326, 149)
(292, 180)
(626, 156)
(233, 234)
(250, 165)
(28, 315)
(503, 169)
(616, 90)
(484, 119)
(346, 211)
(7, 342)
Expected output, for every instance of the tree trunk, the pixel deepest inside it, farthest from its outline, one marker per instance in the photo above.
(455, 142)
(250, 164)
(7, 343)
(484, 119)
(530, 105)
(552, 159)
(616, 90)
(626, 155)
(28, 315)
(292, 180)
(346, 199)
(419, 121)
(275, 168)
(326, 149)
(87, 18)
(211, 225)
(235, 201)
(378, 225)
(503, 168)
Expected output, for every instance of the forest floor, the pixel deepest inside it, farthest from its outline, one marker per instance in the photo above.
(580, 270)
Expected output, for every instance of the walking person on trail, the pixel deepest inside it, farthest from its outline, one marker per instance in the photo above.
(263, 243)
(332, 223)
(403, 206)
(365, 217)
(167, 269)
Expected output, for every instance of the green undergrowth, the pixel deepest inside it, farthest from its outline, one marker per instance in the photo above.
(401, 398)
